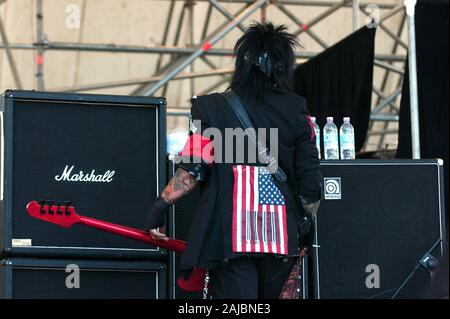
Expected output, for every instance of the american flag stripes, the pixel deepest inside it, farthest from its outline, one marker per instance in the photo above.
(259, 212)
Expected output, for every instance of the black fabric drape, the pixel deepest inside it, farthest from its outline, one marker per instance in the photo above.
(432, 33)
(338, 82)
(433, 84)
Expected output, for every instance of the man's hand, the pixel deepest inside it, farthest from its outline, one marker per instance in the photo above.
(311, 209)
(157, 235)
(156, 216)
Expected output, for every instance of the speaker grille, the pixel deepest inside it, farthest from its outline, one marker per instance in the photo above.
(95, 136)
(46, 279)
(389, 215)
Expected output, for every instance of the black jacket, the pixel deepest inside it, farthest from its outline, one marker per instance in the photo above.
(209, 240)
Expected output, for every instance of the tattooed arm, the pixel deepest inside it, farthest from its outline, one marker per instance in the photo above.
(180, 185)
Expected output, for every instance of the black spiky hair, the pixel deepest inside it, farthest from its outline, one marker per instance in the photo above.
(264, 59)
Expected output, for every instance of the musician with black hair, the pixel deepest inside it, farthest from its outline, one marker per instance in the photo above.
(245, 229)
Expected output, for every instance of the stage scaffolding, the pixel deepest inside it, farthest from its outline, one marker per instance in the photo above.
(385, 108)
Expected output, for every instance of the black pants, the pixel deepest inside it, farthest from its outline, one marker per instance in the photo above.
(250, 277)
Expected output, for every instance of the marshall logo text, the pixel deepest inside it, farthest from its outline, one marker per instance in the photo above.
(91, 177)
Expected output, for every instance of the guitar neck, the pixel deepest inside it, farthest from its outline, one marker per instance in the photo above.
(132, 233)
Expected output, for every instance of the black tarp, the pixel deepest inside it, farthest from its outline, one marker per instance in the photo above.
(432, 33)
(338, 82)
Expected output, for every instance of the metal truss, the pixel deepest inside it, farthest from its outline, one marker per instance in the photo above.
(180, 66)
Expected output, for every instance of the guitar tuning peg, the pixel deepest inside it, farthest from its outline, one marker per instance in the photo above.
(58, 209)
(41, 204)
(67, 204)
(50, 204)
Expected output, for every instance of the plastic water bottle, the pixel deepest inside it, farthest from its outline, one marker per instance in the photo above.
(317, 132)
(347, 140)
(330, 140)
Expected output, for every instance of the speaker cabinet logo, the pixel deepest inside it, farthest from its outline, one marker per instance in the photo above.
(332, 187)
(80, 176)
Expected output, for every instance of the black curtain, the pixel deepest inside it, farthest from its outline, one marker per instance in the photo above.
(338, 82)
(432, 33)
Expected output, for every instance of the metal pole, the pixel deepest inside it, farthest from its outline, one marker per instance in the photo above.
(80, 39)
(300, 23)
(388, 31)
(211, 65)
(9, 56)
(65, 46)
(146, 80)
(205, 47)
(40, 47)
(393, 51)
(178, 114)
(166, 33)
(174, 58)
(142, 85)
(382, 132)
(217, 29)
(356, 20)
(414, 98)
(205, 37)
(175, 42)
(392, 12)
(381, 97)
(314, 3)
(224, 11)
(388, 73)
(391, 97)
(323, 15)
(393, 36)
(388, 67)
(214, 86)
(190, 41)
(384, 117)
(207, 21)
(263, 13)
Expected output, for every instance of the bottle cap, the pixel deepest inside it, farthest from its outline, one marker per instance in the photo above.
(329, 119)
(313, 119)
(347, 119)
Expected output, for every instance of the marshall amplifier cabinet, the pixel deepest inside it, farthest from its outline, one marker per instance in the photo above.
(376, 221)
(100, 152)
(34, 278)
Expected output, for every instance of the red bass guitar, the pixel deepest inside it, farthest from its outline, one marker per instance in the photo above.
(65, 216)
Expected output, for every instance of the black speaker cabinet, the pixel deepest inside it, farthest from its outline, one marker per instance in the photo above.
(28, 278)
(377, 220)
(101, 152)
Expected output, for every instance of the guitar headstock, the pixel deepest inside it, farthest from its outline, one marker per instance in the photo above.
(62, 214)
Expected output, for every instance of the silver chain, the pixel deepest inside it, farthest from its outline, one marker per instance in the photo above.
(205, 285)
